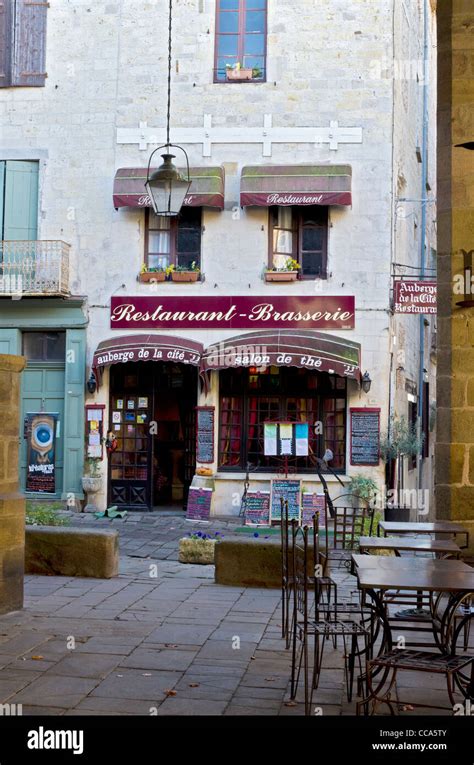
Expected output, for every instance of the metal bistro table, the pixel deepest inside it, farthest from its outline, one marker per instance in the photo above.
(449, 583)
(440, 547)
(438, 527)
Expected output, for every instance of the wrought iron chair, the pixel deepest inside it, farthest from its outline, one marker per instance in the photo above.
(312, 622)
(350, 523)
(458, 669)
(286, 577)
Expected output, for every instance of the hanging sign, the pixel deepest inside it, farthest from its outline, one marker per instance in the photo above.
(40, 434)
(412, 296)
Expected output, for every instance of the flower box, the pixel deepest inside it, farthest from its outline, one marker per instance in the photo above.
(281, 276)
(199, 551)
(239, 74)
(151, 276)
(185, 276)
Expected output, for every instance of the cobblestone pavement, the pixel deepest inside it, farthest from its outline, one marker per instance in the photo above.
(166, 645)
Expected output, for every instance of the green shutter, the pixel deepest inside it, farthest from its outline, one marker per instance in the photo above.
(2, 200)
(21, 201)
(10, 341)
(74, 412)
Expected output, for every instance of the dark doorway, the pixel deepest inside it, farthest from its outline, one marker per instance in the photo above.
(152, 413)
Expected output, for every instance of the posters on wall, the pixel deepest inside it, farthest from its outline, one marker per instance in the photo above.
(286, 439)
(41, 430)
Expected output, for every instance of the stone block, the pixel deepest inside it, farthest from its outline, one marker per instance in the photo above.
(249, 563)
(63, 551)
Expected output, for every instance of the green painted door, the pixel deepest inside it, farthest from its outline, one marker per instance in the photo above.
(43, 391)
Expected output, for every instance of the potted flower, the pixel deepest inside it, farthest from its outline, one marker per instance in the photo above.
(148, 275)
(237, 72)
(287, 272)
(92, 483)
(198, 547)
(184, 273)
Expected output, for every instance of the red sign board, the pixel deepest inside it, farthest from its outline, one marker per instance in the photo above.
(240, 312)
(414, 296)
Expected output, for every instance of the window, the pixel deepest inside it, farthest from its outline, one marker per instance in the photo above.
(299, 233)
(44, 346)
(249, 397)
(173, 241)
(241, 39)
(18, 200)
(22, 43)
(412, 422)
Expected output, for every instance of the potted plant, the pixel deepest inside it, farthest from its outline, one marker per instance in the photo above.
(399, 441)
(198, 547)
(148, 275)
(237, 72)
(363, 489)
(92, 483)
(288, 272)
(184, 273)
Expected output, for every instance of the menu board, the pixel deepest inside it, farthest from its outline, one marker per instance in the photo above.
(205, 433)
(310, 505)
(199, 504)
(257, 508)
(286, 439)
(95, 430)
(289, 489)
(365, 436)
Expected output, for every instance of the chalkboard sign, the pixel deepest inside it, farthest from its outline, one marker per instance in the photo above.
(289, 489)
(257, 508)
(365, 436)
(199, 504)
(310, 505)
(205, 434)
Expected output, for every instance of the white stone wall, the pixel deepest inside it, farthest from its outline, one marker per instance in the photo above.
(106, 64)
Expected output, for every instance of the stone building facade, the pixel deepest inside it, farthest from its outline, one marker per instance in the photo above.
(323, 127)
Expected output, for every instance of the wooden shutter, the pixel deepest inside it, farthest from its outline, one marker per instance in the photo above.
(21, 200)
(29, 58)
(6, 42)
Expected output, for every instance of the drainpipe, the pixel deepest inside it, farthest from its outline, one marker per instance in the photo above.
(424, 151)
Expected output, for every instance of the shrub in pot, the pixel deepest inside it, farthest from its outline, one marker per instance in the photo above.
(198, 548)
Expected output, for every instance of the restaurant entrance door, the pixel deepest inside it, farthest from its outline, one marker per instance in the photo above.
(152, 411)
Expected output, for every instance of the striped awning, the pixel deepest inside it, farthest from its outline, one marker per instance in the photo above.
(124, 348)
(207, 187)
(286, 185)
(307, 349)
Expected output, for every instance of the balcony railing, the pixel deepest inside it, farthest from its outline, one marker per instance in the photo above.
(34, 268)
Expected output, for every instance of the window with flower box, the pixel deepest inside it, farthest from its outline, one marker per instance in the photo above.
(249, 397)
(173, 241)
(241, 41)
(300, 233)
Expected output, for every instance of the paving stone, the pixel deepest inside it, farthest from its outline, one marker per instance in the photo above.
(85, 665)
(55, 691)
(133, 684)
(106, 705)
(222, 649)
(143, 658)
(177, 633)
(191, 707)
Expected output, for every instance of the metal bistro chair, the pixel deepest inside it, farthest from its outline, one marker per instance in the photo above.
(307, 624)
(458, 669)
(350, 523)
(286, 579)
(326, 586)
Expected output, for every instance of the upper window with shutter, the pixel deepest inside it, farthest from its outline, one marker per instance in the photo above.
(22, 43)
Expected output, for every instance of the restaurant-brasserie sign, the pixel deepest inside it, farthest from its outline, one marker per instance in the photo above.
(240, 312)
(414, 297)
